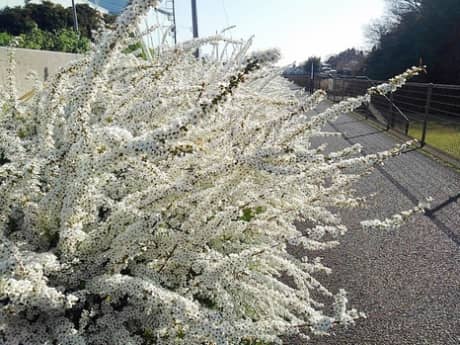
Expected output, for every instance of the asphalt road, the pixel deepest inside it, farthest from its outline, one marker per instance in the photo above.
(407, 281)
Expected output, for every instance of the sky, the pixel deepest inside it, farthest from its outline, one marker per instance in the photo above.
(299, 28)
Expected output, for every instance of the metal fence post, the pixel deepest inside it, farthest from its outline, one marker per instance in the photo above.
(427, 111)
(367, 86)
(334, 89)
(391, 120)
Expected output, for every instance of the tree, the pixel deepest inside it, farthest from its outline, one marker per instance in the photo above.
(90, 20)
(399, 8)
(425, 31)
(51, 17)
(350, 61)
(15, 21)
(314, 61)
(48, 26)
(48, 16)
(155, 202)
(67, 40)
(378, 29)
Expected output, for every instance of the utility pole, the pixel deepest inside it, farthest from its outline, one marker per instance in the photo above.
(195, 24)
(312, 77)
(174, 21)
(75, 20)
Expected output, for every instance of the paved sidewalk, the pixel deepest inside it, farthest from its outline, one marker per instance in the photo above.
(406, 281)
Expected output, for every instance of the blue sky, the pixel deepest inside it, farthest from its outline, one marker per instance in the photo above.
(300, 28)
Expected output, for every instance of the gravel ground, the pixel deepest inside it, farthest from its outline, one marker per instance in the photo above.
(407, 281)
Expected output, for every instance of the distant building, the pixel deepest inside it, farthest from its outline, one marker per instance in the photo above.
(111, 6)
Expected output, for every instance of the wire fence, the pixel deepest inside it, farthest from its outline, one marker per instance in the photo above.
(429, 113)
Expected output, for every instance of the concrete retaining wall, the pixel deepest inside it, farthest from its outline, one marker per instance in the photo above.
(44, 62)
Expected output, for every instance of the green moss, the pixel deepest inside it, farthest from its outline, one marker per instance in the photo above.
(180, 332)
(5, 108)
(260, 209)
(181, 149)
(48, 230)
(250, 312)
(149, 336)
(101, 149)
(249, 213)
(137, 47)
(22, 133)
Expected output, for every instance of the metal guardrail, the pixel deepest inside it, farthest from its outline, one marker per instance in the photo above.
(427, 112)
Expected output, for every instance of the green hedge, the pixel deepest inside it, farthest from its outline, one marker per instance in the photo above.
(65, 40)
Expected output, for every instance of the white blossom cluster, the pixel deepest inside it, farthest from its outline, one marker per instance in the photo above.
(155, 201)
(396, 220)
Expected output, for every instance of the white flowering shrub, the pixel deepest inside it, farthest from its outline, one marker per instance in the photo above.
(154, 201)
